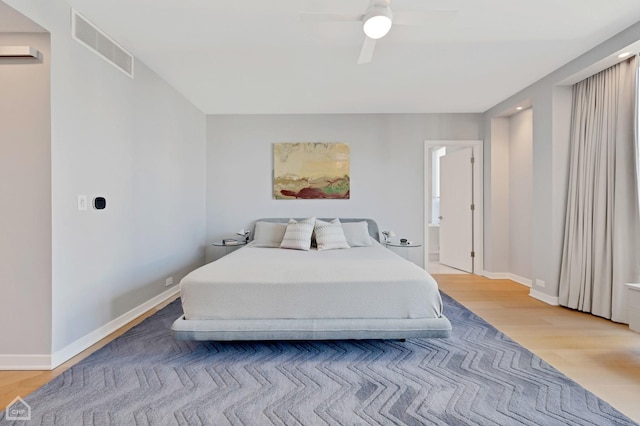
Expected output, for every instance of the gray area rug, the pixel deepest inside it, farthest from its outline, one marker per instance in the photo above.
(477, 377)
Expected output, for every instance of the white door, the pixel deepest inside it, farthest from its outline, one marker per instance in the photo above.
(456, 219)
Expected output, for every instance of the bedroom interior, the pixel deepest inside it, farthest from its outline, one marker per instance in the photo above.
(181, 168)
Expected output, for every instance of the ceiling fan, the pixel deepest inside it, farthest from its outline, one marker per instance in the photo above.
(376, 22)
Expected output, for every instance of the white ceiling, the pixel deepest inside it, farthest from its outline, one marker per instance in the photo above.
(256, 56)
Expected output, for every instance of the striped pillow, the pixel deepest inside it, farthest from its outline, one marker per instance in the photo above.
(298, 234)
(330, 236)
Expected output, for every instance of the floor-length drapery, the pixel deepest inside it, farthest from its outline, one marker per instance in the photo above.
(602, 230)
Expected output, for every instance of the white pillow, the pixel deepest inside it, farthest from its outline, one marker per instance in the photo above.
(329, 235)
(298, 234)
(267, 234)
(357, 234)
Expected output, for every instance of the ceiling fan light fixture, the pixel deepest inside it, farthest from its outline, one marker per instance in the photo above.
(377, 22)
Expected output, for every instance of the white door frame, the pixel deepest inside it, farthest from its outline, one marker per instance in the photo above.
(478, 198)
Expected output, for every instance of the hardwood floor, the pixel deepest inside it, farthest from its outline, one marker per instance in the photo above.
(602, 356)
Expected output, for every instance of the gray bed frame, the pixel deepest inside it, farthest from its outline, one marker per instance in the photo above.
(312, 329)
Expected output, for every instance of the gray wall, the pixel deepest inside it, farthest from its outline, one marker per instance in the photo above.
(387, 162)
(520, 193)
(25, 197)
(140, 144)
(551, 102)
(496, 197)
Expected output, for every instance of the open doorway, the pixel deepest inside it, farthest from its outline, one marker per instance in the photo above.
(453, 188)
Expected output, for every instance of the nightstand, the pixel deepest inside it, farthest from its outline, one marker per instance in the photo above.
(400, 248)
(228, 248)
(399, 244)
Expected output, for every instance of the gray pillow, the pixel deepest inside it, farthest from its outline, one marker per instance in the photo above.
(357, 234)
(267, 234)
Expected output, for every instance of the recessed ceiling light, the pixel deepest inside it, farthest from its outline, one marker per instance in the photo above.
(624, 55)
(519, 108)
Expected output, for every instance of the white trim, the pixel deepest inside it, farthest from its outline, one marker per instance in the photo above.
(507, 276)
(543, 297)
(49, 362)
(520, 280)
(95, 336)
(496, 275)
(25, 362)
(478, 194)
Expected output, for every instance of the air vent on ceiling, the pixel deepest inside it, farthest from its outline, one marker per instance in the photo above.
(88, 34)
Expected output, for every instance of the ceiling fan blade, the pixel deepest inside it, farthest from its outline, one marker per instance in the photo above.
(366, 54)
(426, 18)
(329, 17)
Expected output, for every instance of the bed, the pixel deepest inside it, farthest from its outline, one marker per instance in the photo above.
(264, 292)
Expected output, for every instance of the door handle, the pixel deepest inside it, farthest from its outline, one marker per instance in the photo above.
(440, 217)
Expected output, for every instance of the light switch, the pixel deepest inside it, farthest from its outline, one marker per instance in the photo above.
(82, 202)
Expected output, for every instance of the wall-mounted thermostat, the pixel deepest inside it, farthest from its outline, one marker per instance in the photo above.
(99, 203)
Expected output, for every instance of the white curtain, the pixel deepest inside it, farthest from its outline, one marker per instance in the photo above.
(602, 230)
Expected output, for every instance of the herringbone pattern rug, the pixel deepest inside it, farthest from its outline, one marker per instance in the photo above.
(477, 377)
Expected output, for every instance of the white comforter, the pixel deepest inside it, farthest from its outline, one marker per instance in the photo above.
(273, 283)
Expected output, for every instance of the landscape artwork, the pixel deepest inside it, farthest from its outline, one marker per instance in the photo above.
(311, 170)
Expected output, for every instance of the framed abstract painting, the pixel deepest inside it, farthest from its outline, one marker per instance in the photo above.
(311, 170)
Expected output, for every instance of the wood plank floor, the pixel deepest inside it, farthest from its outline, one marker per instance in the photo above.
(602, 356)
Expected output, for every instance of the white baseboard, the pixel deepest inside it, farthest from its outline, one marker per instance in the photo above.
(520, 280)
(496, 275)
(49, 362)
(95, 336)
(550, 300)
(507, 276)
(25, 362)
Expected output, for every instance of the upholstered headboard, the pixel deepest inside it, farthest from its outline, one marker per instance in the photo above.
(373, 226)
